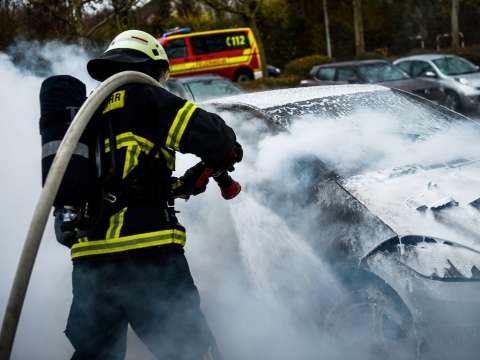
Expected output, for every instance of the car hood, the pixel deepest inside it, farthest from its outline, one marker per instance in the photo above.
(409, 84)
(473, 79)
(441, 201)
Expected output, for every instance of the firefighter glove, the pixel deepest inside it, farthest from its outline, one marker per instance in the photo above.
(193, 182)
(235, 155)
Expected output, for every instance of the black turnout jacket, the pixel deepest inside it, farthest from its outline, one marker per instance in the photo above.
(136, 119)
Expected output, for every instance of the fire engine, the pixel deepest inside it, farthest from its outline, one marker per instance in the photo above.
(231, 53)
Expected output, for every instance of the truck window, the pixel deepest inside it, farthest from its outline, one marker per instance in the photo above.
(204, 44)
(176, 49)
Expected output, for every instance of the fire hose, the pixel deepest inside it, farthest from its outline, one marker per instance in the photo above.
(52, 183)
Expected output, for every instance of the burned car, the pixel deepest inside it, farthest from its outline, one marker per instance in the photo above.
(384, 187)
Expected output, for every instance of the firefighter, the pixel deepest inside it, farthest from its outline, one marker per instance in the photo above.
(131, 268)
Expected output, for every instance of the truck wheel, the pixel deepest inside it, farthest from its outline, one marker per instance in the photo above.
(243, 75)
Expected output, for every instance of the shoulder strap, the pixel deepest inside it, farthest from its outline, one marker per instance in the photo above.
(132, 186)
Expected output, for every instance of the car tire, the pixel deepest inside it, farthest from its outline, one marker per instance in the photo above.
(243, 75)
(385, 323)
(452, 100)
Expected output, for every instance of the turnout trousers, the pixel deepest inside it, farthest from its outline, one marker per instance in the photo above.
(153, 292)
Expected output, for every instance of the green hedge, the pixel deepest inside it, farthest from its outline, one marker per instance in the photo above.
(281, 82)
(472, 54)
(372, 55)
(301, 67)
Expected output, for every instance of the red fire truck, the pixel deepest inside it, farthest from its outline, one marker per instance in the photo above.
(231, 53)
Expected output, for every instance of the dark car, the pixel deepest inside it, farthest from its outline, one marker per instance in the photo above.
(378, 187)
(203, 87)
(373, 72)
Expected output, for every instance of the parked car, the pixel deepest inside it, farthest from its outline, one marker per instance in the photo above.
(459, 77)
(391, 203)
(203, 87)
(273, 71)
(373, 72)
(231, 53)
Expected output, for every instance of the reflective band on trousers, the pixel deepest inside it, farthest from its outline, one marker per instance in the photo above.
(138, 241)
(51, 148)
(177, 129)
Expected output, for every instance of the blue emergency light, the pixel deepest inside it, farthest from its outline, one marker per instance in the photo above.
(177, 31)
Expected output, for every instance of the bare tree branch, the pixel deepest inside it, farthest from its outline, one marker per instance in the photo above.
(128, 5)
(223, 6)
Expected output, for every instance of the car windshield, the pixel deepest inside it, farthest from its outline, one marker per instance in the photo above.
(455, 66)
(373, 131)
(375, 73)
(212, 88)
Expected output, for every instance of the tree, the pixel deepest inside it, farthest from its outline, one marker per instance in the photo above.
(358, 27)
(7, 22)
(119, 15)
(187, 8)
(327, 29)
(248, 12)
(455, 29)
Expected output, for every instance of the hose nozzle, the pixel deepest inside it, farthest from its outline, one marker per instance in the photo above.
(229, 187)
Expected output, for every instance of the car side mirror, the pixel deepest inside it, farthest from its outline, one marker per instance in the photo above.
(430, 74)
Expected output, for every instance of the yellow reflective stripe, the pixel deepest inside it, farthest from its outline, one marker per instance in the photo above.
(129, 139)
(116, 101)
(218, 63)
(131, 159)
(179, 125)
(185, 123)
(138, 241)
(169, 157)
(116, 224)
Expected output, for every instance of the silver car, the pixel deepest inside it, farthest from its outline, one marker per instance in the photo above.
(202, 87)
(459, 77)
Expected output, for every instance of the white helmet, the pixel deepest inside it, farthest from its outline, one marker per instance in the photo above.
(130, 50)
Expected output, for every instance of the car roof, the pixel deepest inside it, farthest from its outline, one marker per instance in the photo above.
(427, 57)
(273, 98)
(186, 79)
(354, 63)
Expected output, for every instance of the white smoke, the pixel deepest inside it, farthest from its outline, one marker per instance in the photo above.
(264, 289)
(49, 294)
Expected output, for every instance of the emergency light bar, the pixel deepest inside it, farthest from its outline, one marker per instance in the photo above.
(177, 31)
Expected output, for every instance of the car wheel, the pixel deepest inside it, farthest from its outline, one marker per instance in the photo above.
(243, 75)
(374, 323)
(451, 101)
